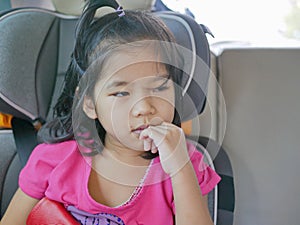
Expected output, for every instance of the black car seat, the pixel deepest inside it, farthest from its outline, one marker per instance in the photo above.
(35, 47)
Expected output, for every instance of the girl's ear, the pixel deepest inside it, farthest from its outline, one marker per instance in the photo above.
(89, 107)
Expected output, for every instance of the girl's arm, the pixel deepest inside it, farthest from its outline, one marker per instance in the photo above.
(169, 141)
(18, 209)
(191, 206)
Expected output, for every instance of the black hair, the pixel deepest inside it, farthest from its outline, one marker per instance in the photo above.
(96, 37)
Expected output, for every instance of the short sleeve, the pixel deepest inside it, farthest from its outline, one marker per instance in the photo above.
(34, 177)
(207, 177)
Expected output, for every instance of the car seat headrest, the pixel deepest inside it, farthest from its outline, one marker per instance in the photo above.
(28, 62)
(32, 54)
(192, 36)
(75, 7)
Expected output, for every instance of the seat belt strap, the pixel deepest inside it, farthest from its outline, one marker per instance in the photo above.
(25, 136)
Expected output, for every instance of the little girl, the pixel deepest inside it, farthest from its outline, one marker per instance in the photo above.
(115, 152)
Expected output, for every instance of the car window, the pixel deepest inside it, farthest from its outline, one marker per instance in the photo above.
(263, 22)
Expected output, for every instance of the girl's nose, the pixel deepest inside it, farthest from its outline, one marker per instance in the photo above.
(143, 107)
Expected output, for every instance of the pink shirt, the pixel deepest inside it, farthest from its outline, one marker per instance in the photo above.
(61, 173)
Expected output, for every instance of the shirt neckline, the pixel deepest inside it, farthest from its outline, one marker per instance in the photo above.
(136, 194)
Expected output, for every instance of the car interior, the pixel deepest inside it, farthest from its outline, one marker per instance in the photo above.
(50, 37)
(247, 113)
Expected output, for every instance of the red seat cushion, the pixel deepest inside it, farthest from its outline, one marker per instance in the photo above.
(50, 212)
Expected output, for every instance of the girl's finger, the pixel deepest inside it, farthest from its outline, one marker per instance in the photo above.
(162, 129)
(157, 135)
(154, 149)
(147, 144)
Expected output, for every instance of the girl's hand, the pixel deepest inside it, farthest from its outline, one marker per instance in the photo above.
(169, 141)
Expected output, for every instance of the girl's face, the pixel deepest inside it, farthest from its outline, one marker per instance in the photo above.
(129, 100)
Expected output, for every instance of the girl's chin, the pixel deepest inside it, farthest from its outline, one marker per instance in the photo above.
(133, 143)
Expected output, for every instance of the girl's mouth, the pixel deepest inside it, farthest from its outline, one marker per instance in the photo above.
(139, 129)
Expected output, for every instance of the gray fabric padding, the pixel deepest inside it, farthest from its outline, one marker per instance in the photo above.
(11, 182)
(45, 73)
(261, 90)
(7, 152)
(225, 217)
(190, 35)
(66, 43)
(22, 50)
(9, 168)
(49, 54)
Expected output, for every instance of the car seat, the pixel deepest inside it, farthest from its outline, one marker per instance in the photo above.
(36, 45)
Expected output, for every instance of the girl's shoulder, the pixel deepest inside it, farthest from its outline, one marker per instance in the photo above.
(62, 147)
(47, 160)
(54, 153)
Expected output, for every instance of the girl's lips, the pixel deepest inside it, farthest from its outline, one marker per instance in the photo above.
(140, 129)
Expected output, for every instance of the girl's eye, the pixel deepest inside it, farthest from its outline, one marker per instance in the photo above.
(120, 94)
